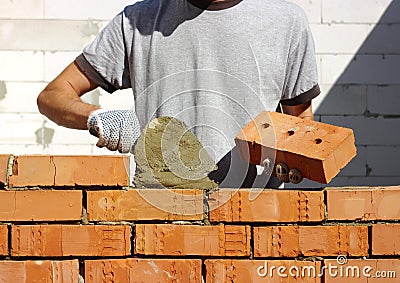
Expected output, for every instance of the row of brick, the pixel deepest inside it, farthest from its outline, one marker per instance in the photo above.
(49, 170)
(244, 205)
(70, 170)
(190, 270)
(196, 240)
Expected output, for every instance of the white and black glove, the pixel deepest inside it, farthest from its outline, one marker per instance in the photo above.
(116, 129)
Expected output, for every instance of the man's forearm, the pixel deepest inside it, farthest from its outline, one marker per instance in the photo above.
(65, 110)
(60, 100)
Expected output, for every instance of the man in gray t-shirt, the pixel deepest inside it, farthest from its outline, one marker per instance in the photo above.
(213, 64)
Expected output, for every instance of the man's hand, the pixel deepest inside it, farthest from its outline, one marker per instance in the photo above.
(116, 129)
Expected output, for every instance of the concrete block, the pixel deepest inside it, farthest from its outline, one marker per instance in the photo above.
(360, 69)
(53, 149)
(360, 11)
(22, 9)
(21, 149)
(383, 39)
(20, 97)
(19, 66)
(66, 136)
(68, 149)
(383, 100)
(383, 160)
(55, 62)
(341, 100)
(338, 181)
(87, 9)
(365, 181)
(19, 128)
(92, 97)
(313, 9)
(306, 184)
(102, 151)
(342, 39)
(102, 24)
(42, 35)
(121, 99)
(318, 58)
(357, 166)
(369, 130)
(332, 67)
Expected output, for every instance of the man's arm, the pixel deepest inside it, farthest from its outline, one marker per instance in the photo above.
(301, 110)
(60, 100)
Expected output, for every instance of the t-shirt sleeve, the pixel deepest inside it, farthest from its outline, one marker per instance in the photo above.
(104, 60)
(301, 81)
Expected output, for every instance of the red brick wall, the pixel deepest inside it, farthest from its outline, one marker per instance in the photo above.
(68, 218)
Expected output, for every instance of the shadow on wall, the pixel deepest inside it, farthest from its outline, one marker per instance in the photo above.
(366, 98)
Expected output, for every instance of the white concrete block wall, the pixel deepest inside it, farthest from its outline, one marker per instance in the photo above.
(38, 38)
(359, 11)
(358, 55)
(358, 42)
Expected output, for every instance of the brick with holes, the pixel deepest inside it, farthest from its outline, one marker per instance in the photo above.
(293, 148)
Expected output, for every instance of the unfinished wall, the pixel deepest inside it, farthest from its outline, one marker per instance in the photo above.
(74, 218)
(357, 42)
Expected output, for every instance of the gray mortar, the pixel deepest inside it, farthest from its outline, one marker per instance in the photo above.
(168, 155)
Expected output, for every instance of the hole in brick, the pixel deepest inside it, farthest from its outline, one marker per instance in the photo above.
(290, 133)
(265, 125)
(15, 167)
(318, 141)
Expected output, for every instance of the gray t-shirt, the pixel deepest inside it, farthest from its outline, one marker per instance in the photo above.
(213, 69)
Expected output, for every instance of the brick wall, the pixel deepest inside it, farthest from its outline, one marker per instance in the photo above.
(74, 218)
(358, 53)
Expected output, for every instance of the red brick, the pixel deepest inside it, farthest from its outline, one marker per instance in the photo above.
(143, 270)
(386, 239)
(317, 149)
(269, 206)
(293, 241)
(4, 167)
(32, 170)
(40, 205)
(262, 271)
(181, 240)
(70, 240)
(39, 271)
(363, 203)
(3, 240)
(146, 204)
(361, 271)
(46, 170)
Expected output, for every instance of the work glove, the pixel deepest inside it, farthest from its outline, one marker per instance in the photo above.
(116, 129)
